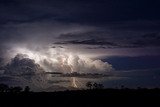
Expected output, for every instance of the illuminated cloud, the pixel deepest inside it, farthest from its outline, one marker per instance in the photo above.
(74, 63)
(60, 60)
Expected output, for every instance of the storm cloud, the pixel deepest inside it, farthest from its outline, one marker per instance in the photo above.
(21, 65)
(38, 36)
(93, 29)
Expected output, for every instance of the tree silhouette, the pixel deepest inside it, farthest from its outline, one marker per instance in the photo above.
(100, 86)
(27, 89)
(89, 85)
(15, 89)
(95, 85)
(18, 89)
(122, 86)
(3, 88)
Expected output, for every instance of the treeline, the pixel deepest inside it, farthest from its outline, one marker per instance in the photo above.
(17, 89)
(94, 85)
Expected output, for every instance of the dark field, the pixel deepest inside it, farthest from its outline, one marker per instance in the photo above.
(99, 98)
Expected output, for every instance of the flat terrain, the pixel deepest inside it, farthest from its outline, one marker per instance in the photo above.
(99, 98)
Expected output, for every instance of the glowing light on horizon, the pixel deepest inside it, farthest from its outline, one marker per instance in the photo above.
(74, 82)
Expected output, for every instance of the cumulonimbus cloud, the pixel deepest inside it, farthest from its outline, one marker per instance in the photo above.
(75, 63)
(61, 60)
(21, 65)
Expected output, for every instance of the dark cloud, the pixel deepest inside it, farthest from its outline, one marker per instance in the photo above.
(57, 47)
(154, 35)
(88, 42)
(102, 24)
(122, 34)
(146, 40)
(21, 65)
(80, 30)
(82, 11)
(97, 47)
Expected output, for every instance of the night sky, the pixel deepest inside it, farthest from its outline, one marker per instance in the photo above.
(94, 36)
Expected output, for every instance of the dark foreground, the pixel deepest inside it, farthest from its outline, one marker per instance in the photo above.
(89, 98)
